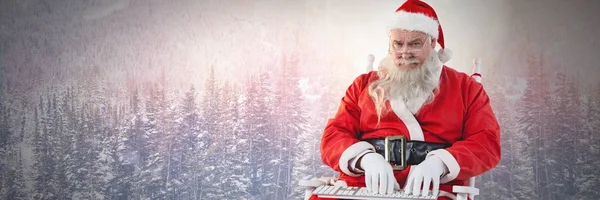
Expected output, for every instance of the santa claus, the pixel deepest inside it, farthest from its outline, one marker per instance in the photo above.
(414, 124)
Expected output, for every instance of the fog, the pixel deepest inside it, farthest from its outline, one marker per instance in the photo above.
(48, 44)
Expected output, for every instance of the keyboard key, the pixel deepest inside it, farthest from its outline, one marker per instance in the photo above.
(339, 192)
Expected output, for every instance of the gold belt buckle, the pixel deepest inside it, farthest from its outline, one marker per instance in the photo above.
(388, 151)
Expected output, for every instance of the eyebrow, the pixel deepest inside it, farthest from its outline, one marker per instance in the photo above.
(412, 41)
(416, 40)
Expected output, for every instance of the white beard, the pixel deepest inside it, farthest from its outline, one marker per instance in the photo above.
(415, 87)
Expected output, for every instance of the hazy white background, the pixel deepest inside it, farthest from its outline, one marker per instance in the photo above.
(109, 49)
(66, 41)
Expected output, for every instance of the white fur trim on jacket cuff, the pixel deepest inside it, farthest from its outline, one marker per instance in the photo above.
(351, 153)
(354, 160)
(449, 161)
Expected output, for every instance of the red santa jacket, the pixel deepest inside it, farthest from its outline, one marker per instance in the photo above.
(459, 114)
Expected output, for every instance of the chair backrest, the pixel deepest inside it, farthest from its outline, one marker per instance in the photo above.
(476, 74)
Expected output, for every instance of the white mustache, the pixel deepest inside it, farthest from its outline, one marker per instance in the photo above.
(408, 61)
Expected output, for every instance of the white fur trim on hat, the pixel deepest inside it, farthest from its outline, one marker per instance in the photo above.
(415, 22)
(445, 55)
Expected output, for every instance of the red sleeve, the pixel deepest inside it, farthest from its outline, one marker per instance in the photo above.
(339, 143)
(479, 151)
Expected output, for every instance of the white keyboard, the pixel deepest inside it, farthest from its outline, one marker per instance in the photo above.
(328, 191)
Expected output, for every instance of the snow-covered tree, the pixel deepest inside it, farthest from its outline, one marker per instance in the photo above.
(232, 180)
(213, 141)
(533, 119)
(84, 125)
(565, 125)
(588, 149)
(151, 178)
(131, 154)
(44, 162)
(290, 122)
(119, 171)
(262, 145)
(512, 178)
(186, 183)
(12, 178)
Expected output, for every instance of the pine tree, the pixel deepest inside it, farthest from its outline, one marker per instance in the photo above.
(175, 151)
(210, 104)
(61, 144)
(565, 119)
(290, 120)
(588, 149)
(330, 100)
(192, 150)
(99, 158)
(91, 145)
(93, 105)
(135, 155)
(211, 120)
(513, 177)
(171, 144)
(258, 116)
(534, 123)
(151, 178)
(232, 153)
(80, 162)
(240, 143)
(166, 116)
(119, 157)
(12, 180)
(5, 135)
(51, 152)
(180, 145)
(308, 163)
(44, 162)
(496, 183)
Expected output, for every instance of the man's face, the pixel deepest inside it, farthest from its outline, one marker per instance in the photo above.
(409, 49)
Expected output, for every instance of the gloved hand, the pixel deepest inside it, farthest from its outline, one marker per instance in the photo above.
(379, 175)
(427, 172)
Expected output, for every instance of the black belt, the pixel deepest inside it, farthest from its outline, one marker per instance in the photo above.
(401, 153)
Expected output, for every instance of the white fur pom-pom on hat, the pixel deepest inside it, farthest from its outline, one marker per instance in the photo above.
(445, 55)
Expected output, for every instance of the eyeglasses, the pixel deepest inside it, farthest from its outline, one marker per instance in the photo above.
(414, 47)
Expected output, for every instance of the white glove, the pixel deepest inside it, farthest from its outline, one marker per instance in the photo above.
(427, 172)
(379, 175)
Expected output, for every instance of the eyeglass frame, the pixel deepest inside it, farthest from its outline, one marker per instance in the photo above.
(413, 51)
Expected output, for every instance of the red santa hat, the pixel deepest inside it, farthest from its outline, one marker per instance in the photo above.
(415, 15)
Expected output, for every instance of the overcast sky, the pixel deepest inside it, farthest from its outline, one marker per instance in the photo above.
(58, 42)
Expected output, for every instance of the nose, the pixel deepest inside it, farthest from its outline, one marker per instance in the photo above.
(403, 52)
(405, 55)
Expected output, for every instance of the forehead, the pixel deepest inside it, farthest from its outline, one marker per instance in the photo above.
(400, 34)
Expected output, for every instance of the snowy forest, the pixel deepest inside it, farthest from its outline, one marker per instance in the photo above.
(250, 142)
(146, 99)
(257, 140)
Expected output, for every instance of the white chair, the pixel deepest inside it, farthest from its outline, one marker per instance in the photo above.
(463, 192)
